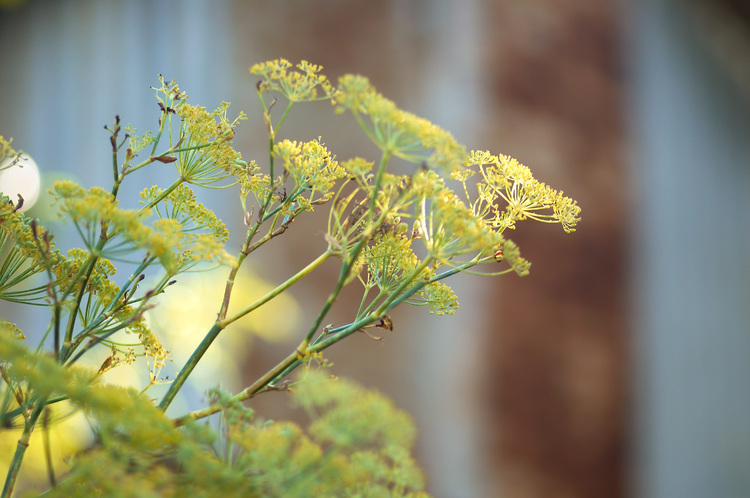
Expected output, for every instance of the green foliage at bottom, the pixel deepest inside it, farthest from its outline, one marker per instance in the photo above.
(356, 443)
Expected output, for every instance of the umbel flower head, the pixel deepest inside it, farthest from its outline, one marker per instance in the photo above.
(310, 165)
(459, 228)
(207, 156)
(505, 178)
(204, 144)
(184, 227)
(298, 84)
(396, 131)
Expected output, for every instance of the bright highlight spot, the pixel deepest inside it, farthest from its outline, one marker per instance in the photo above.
(187, 310)
(23, 178)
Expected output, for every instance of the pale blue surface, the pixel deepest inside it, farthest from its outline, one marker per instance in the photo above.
(691, 271)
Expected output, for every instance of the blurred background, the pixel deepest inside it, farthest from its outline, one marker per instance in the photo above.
(619, 366)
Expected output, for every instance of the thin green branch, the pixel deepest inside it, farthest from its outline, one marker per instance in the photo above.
(244, 394)
(163, 195)
(217, 327)
(278, 290)
(22, 410)
(21, 446)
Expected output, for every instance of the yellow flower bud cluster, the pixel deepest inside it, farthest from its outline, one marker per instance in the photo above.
(298, 84)
(310, 165)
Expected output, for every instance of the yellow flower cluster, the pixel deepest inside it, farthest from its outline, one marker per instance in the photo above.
(6, 150)
(182, 206)
(356, 442)
(206, 155)
(169, 95)
(357, 167)
(135, 415)
(193, 229)
(309, 164)
(512, 255)
(300, 84)
(98, 284)
(395, 131)
(251, 180)
(138, 142)
(452, 228)
(95, 208)
(446, 224)
(36, 246)
(503, 177)
(390, 260)
(450, 225)
(103, 291)
(11, 329)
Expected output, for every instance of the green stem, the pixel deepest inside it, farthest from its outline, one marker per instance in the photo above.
(378, 181)
(217, 327)
(23, 444)
(114, 164)
(284, 367)
(48, 449)
(397, 297)
(283, 117)
(247, 393)
(343, 274)
(278, 290)
(164, 119)
(74, 313)
(272, 187)
(244, 252)
(190, 365)
(290, 198)
(351, 258)
(353, 327)
(10, 415)
(164, 194)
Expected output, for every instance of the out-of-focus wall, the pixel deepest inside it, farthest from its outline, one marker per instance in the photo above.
(556, 343)
(690, 120)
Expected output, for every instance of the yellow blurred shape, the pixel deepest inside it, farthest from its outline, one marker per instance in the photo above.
(191, 306)
(188, 309)
(69, 433)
